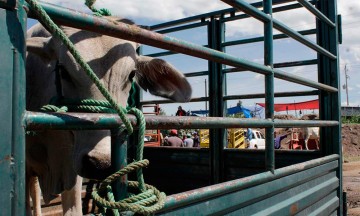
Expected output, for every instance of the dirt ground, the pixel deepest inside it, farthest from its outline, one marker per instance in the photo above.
(350, 136)
(351, 167)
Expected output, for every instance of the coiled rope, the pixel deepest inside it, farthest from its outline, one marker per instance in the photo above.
(150, 199)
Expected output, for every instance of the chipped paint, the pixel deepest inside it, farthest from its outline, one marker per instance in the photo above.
(294, 209)
(7, 159)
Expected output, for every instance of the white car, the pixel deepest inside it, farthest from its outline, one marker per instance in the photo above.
(257, 140)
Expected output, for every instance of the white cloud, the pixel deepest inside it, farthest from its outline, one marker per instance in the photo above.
(160, 10)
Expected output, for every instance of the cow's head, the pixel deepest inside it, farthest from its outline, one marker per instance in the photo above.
(117, 64)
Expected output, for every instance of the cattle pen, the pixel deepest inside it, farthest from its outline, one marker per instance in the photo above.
(205, 181)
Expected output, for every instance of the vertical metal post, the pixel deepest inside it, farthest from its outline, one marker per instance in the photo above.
(330, 104)
(12, 107)
(206, 102)
(269, 88)
(215, 105)
(223, 105)
(119, 161)
(213, 144)
(221, 132)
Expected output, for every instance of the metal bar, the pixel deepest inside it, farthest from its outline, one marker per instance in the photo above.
(236, 97)
(278, 65)
(6, 81)
(103, 26)
(184, 27)
(166, 101)
(85, 121)
(257, 14)
(299, 80)
(275, 10)
(201, 194)
(215, 103)
(276, 94)
(12, 108)
(180, 28)
(119, 161)
(195, 74)
(260, 39)
(249, 9)
(269, 88)
(316, 12)
(223, 135)
(208, 15)
(329, 73)
(296, 63)
(295, 35)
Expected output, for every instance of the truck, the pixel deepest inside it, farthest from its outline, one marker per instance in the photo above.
(256, 140)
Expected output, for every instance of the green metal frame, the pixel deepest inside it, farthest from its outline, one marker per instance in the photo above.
(12, 107)
(324, 173)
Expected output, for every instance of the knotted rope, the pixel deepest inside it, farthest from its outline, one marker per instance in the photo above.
(97, 12)
(150, 199)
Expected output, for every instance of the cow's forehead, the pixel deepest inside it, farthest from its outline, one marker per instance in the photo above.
(77, 35)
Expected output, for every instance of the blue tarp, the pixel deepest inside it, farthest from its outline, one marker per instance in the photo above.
(231, 110)
(239, 109)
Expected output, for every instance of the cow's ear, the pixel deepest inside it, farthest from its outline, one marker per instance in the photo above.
(41, 46)
(162, 79)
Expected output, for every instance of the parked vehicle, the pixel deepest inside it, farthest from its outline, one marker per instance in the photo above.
(257, 140)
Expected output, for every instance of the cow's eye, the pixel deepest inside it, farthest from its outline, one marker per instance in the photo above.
(131, 75)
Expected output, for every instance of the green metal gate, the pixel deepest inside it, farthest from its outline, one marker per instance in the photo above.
(311, 185)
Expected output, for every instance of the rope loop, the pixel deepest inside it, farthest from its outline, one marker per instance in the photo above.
(147, 202)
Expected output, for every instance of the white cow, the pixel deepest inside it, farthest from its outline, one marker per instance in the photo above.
(310, 133)
(59, 158)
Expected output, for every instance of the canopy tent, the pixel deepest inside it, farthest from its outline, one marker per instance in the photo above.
(231, 110)
(312, 104)
(239, 109)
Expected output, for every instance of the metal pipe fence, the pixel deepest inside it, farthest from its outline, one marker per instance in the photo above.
(87, 22)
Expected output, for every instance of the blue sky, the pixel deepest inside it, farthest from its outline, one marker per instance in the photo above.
(158, 11)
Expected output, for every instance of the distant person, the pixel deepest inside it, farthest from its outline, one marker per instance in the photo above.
(161, 139)
(189, 142)
(180, 112)
(173, 140)
(166, 143)
(249, 134)
(196, 140)
(278, 139)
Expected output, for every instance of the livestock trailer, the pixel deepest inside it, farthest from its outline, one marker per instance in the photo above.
(205, 181)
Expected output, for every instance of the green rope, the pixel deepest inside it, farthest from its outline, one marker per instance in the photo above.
(150, 199)
(84, 105)
(97, 12)
(111, 198)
